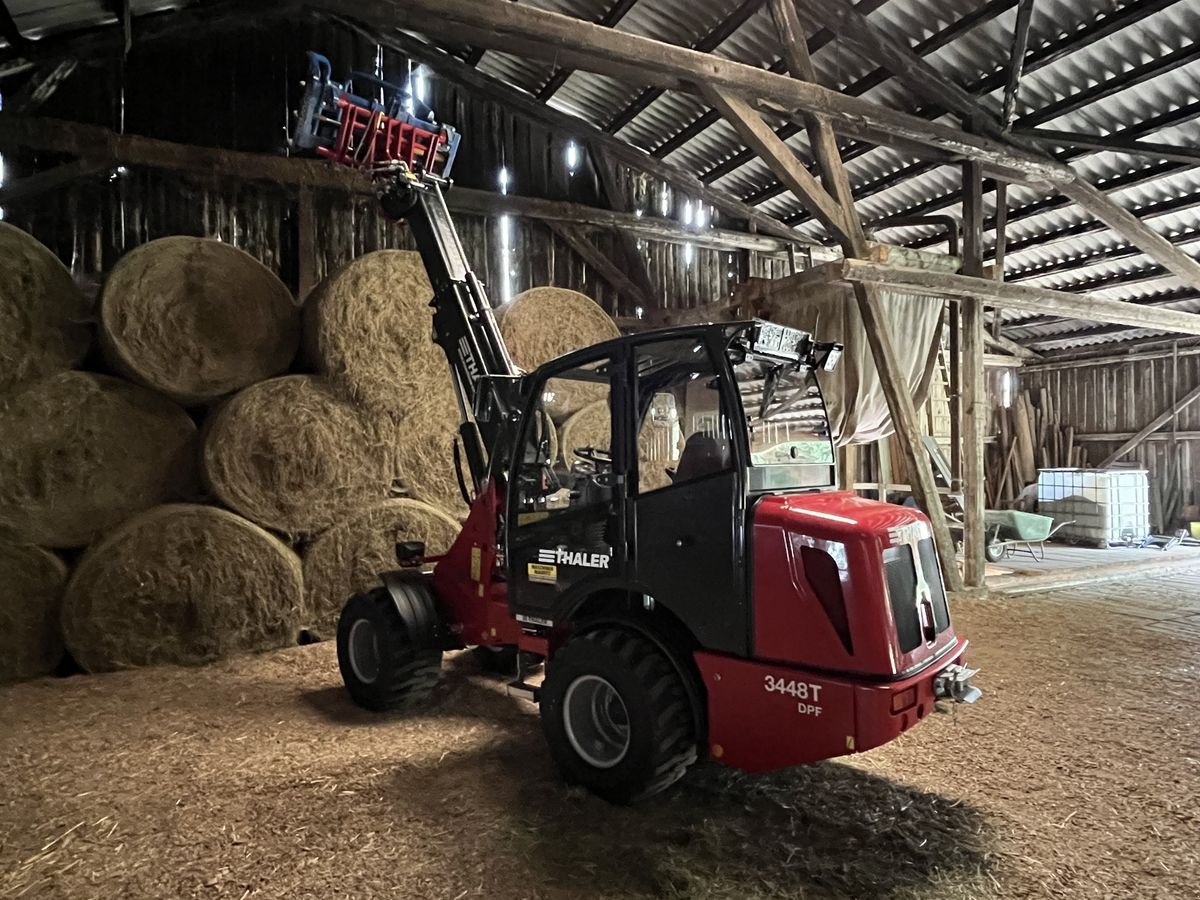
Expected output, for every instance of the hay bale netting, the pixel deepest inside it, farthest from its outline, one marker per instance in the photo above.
(369, 327)
(82, 452)
(181, 584)
(196, 319)
(44, 317)
(293, 455)
(348, 558)
(31, 587)
(543, 323)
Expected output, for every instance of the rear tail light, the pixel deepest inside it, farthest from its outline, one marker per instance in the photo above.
(905, 699)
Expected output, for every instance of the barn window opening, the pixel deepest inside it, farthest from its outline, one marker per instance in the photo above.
(572, 157)
(664, 201)
(1006, 388)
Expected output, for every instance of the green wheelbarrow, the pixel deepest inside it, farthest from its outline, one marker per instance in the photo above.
(1011, 532)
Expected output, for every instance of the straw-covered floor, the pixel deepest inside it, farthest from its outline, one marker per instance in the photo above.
(1076, 776)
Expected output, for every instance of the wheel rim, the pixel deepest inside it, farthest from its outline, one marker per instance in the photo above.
(596, 721)
(363, 649)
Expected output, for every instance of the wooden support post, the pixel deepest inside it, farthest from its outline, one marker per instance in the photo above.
(868, 298)
(1156, 423)
(849, 466)
(956, 393)
(884, 453)
(306, 244)
(974, 401)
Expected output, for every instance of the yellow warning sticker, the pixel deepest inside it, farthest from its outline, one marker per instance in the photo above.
(543, 574)
(476, 563)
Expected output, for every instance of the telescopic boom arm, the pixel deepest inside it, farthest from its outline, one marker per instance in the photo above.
(411, 159)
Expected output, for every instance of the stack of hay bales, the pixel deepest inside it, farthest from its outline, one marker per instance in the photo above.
(214, 489)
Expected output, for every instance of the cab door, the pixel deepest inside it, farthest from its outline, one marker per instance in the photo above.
(567, 488)
(689, 504)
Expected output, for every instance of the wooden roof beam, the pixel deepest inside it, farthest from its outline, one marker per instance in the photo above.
(521, 28)
(1040, 301)
(102, 148)
(925, 80)
(526, 105)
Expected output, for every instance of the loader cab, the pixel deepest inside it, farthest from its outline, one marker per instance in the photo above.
(638, 461)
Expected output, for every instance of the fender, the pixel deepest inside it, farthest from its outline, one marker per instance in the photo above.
(412, 593)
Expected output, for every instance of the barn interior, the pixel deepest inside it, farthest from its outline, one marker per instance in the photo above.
(227, 404)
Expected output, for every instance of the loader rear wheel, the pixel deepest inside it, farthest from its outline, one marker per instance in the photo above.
(381, 664)
(616, 716)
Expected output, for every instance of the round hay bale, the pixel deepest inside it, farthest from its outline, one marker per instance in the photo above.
(82, 452)
(291, 454)
(369, 327)
(348, 558)
(43, 315)
(181, 585)
(31, 587)
(425, 447)
(591, 427)
(196, 319)
(544, 323)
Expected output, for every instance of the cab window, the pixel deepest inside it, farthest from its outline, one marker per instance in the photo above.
(567, 465)
(683, 427)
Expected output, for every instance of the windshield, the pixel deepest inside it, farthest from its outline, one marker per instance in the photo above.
(788, 430)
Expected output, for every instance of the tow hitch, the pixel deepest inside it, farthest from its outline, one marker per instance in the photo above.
(954, 683)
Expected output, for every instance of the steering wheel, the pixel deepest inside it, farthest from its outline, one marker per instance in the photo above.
(595, 455)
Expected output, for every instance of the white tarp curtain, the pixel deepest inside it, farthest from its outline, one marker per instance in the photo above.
(858, 410)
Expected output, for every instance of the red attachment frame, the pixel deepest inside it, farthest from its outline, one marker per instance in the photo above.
(369, 139)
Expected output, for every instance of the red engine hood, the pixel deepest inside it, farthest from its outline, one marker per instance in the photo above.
(821, 595)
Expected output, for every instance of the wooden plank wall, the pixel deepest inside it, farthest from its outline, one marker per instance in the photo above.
(1119, 399)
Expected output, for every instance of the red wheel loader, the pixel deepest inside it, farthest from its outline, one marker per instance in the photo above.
(731, 604)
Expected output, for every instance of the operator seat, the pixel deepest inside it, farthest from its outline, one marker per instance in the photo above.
(702, 455)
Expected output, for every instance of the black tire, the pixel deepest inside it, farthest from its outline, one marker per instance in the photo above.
(658, 730)
(994, 551)
(381, 664)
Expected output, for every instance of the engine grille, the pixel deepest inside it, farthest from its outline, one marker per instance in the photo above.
(933, 577)
(902, 591)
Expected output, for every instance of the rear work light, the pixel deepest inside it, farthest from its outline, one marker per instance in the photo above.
(906, 699)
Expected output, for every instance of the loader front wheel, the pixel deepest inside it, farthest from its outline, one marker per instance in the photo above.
(382, 665)
(616, 716)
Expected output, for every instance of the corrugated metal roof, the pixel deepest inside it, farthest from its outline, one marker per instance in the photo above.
(1082, 75)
